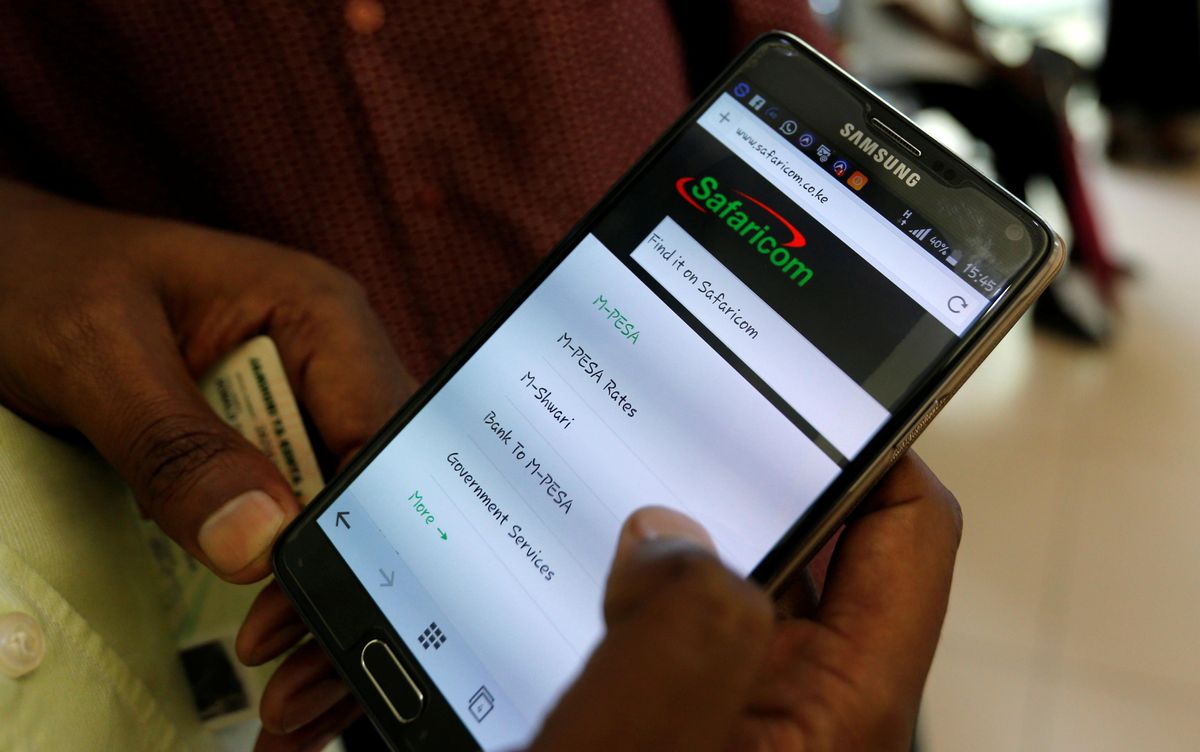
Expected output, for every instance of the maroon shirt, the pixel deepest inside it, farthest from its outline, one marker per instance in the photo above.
(435, 151)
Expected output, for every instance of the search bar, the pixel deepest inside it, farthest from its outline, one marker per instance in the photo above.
(832, 402)
(946, 297)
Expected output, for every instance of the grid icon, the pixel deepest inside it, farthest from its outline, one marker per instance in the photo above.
(432, 637)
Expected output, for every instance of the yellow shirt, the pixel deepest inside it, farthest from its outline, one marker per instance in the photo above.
(72, 557)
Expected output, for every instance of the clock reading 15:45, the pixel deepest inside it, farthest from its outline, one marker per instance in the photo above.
(983, 281)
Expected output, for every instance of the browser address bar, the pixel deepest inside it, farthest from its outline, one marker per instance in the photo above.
(946, 297)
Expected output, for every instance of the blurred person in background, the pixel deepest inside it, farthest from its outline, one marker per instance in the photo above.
(176, 178)
(1150, 80)
(930, 50)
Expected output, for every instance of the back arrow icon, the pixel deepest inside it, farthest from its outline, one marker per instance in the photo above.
(389, 578)
(341, 520)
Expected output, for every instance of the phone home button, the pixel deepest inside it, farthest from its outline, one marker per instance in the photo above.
(393, 683)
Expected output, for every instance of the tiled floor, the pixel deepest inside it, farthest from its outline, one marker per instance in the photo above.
(1074, 622)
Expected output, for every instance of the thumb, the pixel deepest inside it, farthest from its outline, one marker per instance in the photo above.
(209, 489)
(685, 639)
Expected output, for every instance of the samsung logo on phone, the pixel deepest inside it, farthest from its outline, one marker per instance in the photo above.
(881, 155)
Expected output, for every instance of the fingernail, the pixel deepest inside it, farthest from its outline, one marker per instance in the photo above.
(239, 532)
(660, 523)
(654, 531)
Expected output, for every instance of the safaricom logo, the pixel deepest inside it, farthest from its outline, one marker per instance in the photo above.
(703, 195)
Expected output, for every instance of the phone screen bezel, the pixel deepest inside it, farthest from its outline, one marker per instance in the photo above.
(316, 579)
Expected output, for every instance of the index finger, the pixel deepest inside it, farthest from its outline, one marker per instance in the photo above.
(336, 353)
(339, 356)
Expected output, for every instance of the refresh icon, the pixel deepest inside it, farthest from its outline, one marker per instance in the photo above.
(957, 304)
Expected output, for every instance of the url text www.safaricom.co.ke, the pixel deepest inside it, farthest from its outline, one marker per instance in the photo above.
(784, 166)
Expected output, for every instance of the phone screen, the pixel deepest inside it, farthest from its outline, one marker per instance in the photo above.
(724, 339)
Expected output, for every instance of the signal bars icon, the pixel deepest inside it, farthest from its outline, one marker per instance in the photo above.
(921, 234)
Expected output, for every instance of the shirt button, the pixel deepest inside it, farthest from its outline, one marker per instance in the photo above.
(364, 16)
(22, 645)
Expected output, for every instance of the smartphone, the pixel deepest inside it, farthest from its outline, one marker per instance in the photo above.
(750, 327)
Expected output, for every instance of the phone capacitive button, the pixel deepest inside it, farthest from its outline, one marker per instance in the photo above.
(399, 692)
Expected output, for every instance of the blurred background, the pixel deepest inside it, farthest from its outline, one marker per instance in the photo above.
(1075, 616)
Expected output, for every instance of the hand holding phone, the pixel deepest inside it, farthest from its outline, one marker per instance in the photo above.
(694, 657)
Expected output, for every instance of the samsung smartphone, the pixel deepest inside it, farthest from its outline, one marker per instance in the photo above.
(750, 327)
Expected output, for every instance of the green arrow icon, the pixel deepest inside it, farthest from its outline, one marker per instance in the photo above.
(442, 533)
